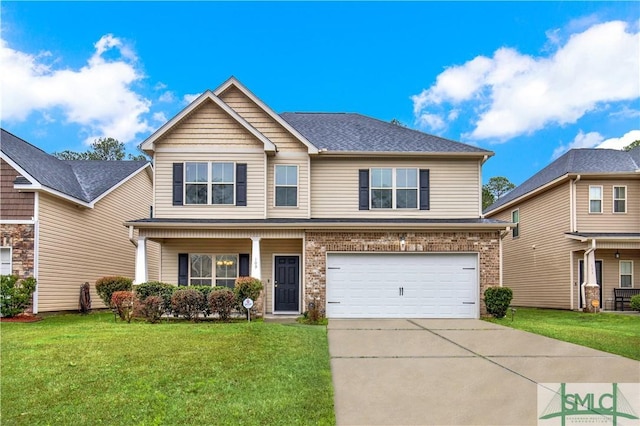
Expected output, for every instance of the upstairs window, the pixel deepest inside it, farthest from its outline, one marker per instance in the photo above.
(595, 199)
(626, 274)
(196, 183)
(515, 218)
(394, 188)
(223, 183)
(619, 199)
(286, 186)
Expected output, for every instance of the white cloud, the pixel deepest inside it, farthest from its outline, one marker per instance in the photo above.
(596, 140)
(190, 97)
(167, 96)
(98, 96)
(515, 94)
(433, 121)
(619, 143)
(159, 117)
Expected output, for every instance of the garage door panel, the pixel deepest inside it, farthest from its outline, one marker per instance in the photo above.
(402, 285)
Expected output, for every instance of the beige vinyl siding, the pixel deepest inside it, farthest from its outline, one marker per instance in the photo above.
(454, 188)
(14, 204)
(80, 245)
(268, 248)
(302, 210)
(607, 221)
(209, 125)
(259, 119)
(164, 208)
(536, 264)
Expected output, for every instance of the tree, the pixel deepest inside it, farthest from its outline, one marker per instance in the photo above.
(494, 189)
(101, 149)
(632, 145)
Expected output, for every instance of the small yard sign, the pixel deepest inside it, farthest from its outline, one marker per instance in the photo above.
(248, 304)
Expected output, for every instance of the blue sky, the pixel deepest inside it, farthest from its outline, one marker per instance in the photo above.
(527, 80)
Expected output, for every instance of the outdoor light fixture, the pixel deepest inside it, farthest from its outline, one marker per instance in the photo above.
(402, 243)
(617, 254)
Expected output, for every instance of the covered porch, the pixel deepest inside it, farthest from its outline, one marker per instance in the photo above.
(217, 257)
(606, 260)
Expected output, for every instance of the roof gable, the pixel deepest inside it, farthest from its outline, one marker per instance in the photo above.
(149, 144)
(233, 82)
(82, 181)
(574, 161)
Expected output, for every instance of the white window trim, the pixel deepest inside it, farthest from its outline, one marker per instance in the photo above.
(394, 188)
(297, 186)
(620, 272)
(213, 267)
(10, 249)
(601, 199)
(517, 224)
(613, 196)
(209, 183)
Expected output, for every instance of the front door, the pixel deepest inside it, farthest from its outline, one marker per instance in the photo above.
(598, 280)
(287, 283)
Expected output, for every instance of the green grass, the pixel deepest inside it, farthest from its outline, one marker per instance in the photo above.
(72, 369)
(614, 333)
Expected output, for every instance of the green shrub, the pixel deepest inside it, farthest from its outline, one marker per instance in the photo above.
(635, 302)
(247, 287)
(15, 294)
(187, 302)
(497, 300)
(123, 302)
(156, 288)
(221, 302)
(151, 308)
(205, 290)
(106, 286)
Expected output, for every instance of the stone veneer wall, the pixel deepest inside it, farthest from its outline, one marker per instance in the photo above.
(21, 239)
(317, 244)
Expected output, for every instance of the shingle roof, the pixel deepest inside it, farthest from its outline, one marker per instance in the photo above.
(583, 160)
(84, 180)
(347, 132)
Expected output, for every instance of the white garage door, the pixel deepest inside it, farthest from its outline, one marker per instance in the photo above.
(402, 285)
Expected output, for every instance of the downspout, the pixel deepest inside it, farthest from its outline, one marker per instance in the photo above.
(585, 266)
(484, 159)
(133, 240)
(502, 235)
(36, 248)
(573, 219)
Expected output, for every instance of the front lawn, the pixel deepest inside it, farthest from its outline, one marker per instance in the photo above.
(72, 369)
(615, 333)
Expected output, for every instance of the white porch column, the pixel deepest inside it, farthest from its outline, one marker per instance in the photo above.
(141, 262)
(255, 258)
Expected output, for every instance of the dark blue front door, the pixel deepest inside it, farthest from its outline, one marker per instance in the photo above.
(287, 283)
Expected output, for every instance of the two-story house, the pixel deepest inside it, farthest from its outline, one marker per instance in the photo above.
(361, 217)
(61, 221)
(581, 213)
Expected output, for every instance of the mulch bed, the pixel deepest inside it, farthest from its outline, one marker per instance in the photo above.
(22, 318)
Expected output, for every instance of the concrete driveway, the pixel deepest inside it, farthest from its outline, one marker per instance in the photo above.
(454, 372)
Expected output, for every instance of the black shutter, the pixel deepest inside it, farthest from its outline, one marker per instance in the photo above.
(241, 184)
(424, 189)
(183, 268)
(178, 176)
(243, 265)
(363, 189)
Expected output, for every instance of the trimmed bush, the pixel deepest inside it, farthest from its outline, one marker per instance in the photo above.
(151, 308)
(497, 300)
(123, 302)
(247, 287)
(188, 303)
(635, 302)
(222, 302)
(106, 286)
(15, 294)
(205, 290)
(156, 288)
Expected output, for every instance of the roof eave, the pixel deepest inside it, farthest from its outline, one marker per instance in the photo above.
(481, 155)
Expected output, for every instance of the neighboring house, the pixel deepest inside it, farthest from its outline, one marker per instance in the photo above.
(360, 217)
(580, 213)
(62, 221)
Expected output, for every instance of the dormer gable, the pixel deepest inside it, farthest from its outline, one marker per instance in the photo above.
(149, 145)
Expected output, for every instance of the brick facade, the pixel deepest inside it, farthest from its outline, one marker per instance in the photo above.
(21, 239)
(317, 244)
